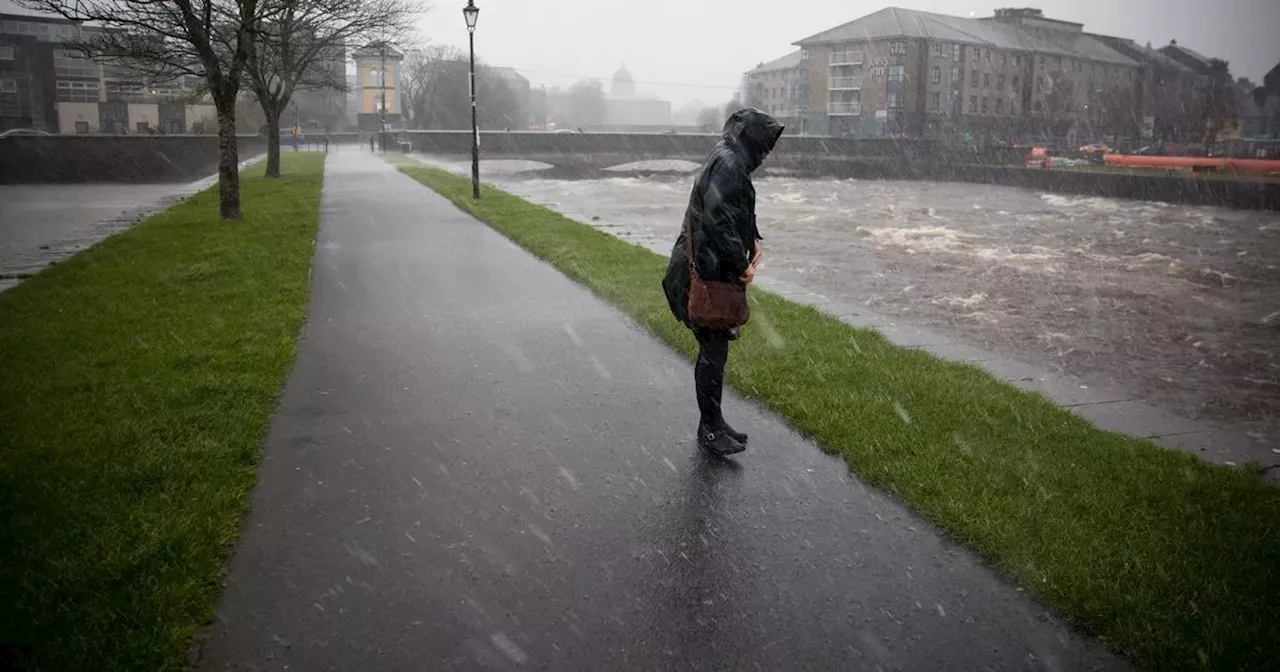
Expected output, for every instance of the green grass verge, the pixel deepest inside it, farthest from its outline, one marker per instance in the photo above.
(139, 377)
(1172, 561)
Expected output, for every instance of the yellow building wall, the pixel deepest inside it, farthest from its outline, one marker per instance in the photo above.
(70, 113)
(371, 88)
(371, 97)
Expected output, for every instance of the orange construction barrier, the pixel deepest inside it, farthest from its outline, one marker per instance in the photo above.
(1194, 162)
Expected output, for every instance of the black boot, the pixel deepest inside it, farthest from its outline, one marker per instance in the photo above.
(718, 442)
(737, 436)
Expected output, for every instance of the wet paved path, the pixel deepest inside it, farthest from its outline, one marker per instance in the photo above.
(479, 465)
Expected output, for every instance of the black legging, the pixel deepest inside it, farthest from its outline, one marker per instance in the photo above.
(708, 374)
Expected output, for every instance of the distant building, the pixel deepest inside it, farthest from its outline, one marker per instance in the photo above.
(1162, 90)
(378, 90)
(1016, 74)
(627, 109)
(45, 86)
(779, 87)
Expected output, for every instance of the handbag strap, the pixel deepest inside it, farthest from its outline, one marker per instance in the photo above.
(688, 248)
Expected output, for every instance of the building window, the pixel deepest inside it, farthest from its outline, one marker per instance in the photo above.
(1004, 60)
(973, 77)
(6, 53)
(935, 75)
(973, 104)
(1039, 106)
(173, 126)
(897, 73)
(956, 52)
(986, 79)
(82, 127)
(1042, 61)
(804, 54)
(8, 86)
(984, 104)
(956, 75)
(70, 64)
(375, 77)
(999, 105)
(935, 100)
(937, 49)
(988, 55)
(893, 100)
(1016, 82)
(999, 82)
(1017, 60)
(77, 92)
(897, 48)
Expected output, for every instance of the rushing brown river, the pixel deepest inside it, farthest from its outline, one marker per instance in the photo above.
(1179, 306)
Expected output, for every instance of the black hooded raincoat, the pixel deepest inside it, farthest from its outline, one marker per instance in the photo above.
(722, 209)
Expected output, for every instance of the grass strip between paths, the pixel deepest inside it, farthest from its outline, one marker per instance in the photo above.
(139, 378)
(1172, 561)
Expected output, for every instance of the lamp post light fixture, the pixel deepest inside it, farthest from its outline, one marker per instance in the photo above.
(471, 13)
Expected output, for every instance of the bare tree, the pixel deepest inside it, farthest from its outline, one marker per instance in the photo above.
(734, 104)
(585, 105)
(166, 39)
(709, 119)
(428, 77)
(1216, 100)
(438, 95)
(303, 47)
(1118, 111)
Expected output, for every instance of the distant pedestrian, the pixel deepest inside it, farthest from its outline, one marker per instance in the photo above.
(720, 243)
(371, 149)
(326, 139)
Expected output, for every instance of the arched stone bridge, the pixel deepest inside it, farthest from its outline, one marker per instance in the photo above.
(597, 151)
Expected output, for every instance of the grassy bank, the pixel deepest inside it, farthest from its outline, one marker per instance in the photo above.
(138, 380)
(1174, 562)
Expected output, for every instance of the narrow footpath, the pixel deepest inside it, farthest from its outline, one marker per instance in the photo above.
(479, 465)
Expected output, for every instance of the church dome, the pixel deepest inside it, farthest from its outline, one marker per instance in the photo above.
(623, 83)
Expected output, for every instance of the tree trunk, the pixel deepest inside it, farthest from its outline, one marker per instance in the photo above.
(228, 161)
(273, 140)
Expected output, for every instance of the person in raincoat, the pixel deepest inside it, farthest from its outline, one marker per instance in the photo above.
(726, 248)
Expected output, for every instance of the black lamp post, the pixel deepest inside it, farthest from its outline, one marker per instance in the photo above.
(471, 13)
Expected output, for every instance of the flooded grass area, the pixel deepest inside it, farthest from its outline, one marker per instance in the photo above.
(1175, 305)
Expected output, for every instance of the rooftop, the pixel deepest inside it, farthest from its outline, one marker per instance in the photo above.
(1016, 32)
(787, 62)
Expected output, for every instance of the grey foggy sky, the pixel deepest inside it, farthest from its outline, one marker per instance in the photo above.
(711, 42)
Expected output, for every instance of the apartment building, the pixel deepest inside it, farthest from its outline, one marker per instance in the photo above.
(779, 87)
(46, 86)
(907, 73)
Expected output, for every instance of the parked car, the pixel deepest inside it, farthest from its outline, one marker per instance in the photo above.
(21, 131)
(1038, 157)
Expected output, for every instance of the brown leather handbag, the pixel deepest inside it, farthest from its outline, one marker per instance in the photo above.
(714, 304)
